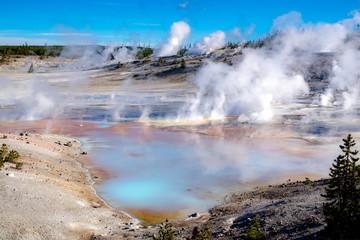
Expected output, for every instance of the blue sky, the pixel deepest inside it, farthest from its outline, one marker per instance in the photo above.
(149, 21)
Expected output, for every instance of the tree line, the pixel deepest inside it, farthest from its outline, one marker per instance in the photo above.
(26, 50)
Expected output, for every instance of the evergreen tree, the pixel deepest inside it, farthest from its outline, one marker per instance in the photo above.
(342, 209)
(183, 64)
(165, 232)
(119, 65)
(253, 232)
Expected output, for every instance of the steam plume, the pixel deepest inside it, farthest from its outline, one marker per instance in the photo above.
(275, 74)
(178, 34)
(209, 43)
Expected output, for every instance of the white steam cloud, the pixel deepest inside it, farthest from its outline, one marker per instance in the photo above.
(36, 99)
(208, 44)
(247, 90)
(346, 77)
(178, 34)
(275, 74)
(95, 55)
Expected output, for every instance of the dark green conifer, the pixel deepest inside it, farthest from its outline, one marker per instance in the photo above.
(183, 63)
(342, 209)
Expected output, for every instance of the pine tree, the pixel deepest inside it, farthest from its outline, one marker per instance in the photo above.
(253, 232)
(342, 208)
(119, 65)
(183, 64)
(165, 232)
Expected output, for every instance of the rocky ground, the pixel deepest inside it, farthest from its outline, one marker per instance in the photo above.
(287, 211)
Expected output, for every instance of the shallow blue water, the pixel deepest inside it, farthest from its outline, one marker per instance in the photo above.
(174, 171)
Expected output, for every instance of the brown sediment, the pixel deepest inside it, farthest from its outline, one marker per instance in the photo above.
(98, 174)
(150, 217)
(133, 154)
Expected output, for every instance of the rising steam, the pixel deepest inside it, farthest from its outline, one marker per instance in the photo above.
(178, 34)
(208, 44)
(96, 55)
(247, 90)
(275, 73)
(36, 99)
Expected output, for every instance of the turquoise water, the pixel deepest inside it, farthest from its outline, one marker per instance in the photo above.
(172, 171)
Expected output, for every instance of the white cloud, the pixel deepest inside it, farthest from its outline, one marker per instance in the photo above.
(184, 5)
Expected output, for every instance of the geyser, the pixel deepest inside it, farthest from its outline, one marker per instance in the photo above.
(178, 34)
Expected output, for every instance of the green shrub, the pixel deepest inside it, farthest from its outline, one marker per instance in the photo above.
(144, 53)
(12, 155)
(183, 63)
(165, 232)
(4, 137)
(253, 232)
(119, 65)
(232, 45)
(18, 165)
(307, 181)
(203, 234)
(6, 155)
(161, 61)
(3, 151)
(181, 52)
